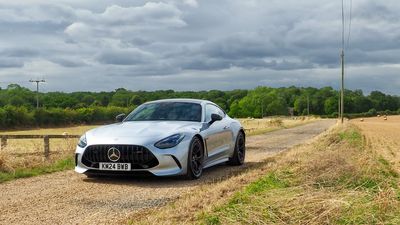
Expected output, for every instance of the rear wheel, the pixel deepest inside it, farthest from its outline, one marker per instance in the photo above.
(239, 152)
(195, 159)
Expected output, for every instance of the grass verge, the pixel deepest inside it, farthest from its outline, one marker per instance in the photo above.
(59, 165)
(336, 180)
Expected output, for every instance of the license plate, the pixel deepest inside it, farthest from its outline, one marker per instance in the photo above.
(115, 166)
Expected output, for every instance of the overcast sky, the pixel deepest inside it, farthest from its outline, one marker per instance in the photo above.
(97, 45)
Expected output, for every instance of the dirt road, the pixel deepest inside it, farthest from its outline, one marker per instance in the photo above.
(70, 198)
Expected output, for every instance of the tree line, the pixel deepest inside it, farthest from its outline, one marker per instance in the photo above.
(18, 104)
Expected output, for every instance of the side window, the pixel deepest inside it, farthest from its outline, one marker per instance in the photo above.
(210, 109)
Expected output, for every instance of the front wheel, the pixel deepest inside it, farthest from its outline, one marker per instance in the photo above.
(239, 152)
(195, 159)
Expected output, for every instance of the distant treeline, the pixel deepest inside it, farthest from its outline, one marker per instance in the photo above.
(18, 104)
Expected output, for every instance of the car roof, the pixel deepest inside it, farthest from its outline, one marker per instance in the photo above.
(189, 100)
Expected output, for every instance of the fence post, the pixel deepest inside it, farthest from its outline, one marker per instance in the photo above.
(46, 146)
(3, 142)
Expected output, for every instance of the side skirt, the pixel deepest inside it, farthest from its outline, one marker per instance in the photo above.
(213, 163)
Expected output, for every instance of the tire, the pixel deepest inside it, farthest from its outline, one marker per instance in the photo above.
(195, 159)
(240, 151)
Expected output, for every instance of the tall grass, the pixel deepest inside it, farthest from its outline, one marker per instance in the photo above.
(25, 158)
(58, 165)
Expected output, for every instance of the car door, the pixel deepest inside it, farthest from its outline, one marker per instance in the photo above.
(218, 135)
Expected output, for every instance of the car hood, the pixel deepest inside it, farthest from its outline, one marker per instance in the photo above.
(155, 129)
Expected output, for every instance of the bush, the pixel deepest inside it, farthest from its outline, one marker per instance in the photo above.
(372, 112)
(11, 116)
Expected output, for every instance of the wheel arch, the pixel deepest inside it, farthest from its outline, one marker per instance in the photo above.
(203, 143)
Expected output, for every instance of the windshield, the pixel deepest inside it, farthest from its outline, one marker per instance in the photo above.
(174, 111)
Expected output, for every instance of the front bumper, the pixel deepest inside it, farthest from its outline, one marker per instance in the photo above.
(171, 162)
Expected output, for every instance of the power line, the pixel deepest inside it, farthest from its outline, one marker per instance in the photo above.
(343, 24)
(350, 19)
(37, 90)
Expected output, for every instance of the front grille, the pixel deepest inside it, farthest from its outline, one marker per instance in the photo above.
(139, 156)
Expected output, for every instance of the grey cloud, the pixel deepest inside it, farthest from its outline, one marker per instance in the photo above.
(138, 41)
(375, 10)
(206, 64)
(240, 45)
(67, 62)
(124, 56)
(11, 63)
(289, 65)
(19, 52)
(50, 13)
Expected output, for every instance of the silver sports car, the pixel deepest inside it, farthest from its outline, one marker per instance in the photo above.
(166, 138)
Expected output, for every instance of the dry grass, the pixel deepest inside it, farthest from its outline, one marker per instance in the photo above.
(259, 126)
(336, 179)
(29, 153)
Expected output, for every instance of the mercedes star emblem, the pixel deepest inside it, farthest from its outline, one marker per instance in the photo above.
(113, 154)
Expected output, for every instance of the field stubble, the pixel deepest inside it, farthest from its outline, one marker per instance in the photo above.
(383, 136)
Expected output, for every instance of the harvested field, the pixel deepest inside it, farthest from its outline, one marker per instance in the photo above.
(383, 136)
(259, 126)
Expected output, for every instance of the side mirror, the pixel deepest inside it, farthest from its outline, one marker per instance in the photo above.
(215, 117)
(120, 118)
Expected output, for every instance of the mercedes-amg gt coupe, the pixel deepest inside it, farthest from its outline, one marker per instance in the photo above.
(165, 138)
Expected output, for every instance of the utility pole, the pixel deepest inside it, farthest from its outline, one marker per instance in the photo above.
(339, 105)
(342, 62)
(342, 90)
(37, 90)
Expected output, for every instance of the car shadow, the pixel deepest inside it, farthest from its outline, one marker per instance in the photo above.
(214, 174)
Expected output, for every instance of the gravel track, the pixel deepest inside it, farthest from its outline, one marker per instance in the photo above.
(71, 198)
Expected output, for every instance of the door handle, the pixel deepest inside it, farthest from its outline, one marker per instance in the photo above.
(226, 127)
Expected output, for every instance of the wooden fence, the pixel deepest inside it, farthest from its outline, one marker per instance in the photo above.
(46, 140)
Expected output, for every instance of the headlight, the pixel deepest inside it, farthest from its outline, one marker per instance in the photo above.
(170, 141)
(82, 141)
